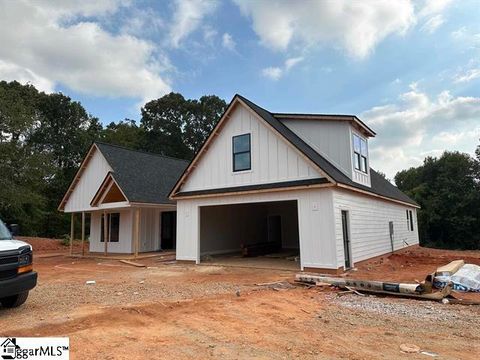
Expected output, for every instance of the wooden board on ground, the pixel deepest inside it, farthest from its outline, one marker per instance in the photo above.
(132, 263)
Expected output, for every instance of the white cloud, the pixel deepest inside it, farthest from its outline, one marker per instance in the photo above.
(418, 125)
(432, 24)
(10, 72)
(357, 26)
(228, 42)
(433, 7)
(188, 17)
(289, 63)
(42, 43)
(431, 14)
(468, 75)
(275, 73)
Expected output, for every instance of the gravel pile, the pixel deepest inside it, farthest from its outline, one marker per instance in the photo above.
(408, 308)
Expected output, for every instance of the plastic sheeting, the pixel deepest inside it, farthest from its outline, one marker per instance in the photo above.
(467, 278)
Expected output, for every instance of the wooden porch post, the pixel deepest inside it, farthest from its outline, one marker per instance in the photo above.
(105, 232)
(83, 232)
(137, 231)
(72, 232)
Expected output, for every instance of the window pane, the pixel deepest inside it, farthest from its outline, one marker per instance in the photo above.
(356, 143)
(241, 143)
(114, 227)
(241, 162)
(364, 164)
(363, 147)
(356, 158)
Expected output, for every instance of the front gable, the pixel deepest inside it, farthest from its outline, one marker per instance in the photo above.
(273, 159)
(86, 183)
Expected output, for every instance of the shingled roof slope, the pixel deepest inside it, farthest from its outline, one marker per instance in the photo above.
(379, 185)
(143, 177)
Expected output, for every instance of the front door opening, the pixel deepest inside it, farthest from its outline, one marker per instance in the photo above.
(168, 230)
(346, 240)
(267, 231)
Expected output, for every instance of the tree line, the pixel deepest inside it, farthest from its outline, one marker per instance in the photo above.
(43, 138)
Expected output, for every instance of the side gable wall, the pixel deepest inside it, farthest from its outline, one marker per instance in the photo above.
(273, 159)
(329, 138)
(90, 181)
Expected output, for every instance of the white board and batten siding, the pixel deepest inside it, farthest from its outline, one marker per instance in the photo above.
(91, 179)
(315, 223)
(150, 224)
(369, 219)
(272, 158)
(124, 245)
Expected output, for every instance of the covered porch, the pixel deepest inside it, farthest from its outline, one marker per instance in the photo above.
(128, 230)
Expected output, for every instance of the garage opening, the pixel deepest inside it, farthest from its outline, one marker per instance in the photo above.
(258, 234)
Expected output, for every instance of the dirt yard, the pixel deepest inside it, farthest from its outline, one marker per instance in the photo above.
(177, 311)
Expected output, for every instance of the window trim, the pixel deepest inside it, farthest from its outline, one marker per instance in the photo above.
(242, 152)
(362, 159)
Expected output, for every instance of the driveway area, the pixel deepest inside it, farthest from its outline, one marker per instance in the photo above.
(177, 311)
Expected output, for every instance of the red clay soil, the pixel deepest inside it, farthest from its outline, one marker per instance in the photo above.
(179, 311)
(47, 244)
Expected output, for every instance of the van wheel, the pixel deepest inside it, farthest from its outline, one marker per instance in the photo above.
(15, 300)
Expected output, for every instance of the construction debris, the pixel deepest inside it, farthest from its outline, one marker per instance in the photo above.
(132, 263)
(418, 291)
(464, 277)
(90, 282)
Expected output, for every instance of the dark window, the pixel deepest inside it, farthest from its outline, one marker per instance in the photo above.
(360, 154)
(411, 220)
(408, 220)
(241, 153)
(113, 228)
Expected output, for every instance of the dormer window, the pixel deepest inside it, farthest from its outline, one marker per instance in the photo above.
(242, 159)
(360, 154)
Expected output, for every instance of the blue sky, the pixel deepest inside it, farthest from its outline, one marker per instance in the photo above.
(410, 69)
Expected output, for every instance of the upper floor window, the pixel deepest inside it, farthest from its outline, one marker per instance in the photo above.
(360, 153)
(242, 159)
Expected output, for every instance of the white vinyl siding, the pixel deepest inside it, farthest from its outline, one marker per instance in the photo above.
(369, 225)
(149, 231)
(272, 158)
(124, 245)
(91, 179)
(315, 223)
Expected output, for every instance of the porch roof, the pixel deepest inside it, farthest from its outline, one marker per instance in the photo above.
(142, 177)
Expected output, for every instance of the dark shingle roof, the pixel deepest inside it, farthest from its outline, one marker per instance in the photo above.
(379, 185)
(143, 177)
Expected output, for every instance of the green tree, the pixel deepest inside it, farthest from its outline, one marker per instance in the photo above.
(22, 171)
(64, 134)
(176, 126)
(124, 133)
(448, 190)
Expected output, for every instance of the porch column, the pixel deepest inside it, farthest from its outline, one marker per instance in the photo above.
(83, 233)
(72, 232)
(105, 233)
(137, 231)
